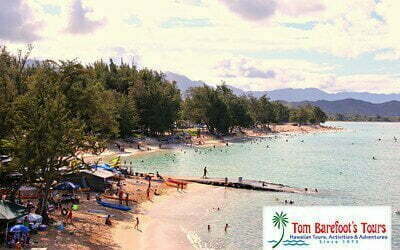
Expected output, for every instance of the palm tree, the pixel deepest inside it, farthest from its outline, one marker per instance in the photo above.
(280, 220)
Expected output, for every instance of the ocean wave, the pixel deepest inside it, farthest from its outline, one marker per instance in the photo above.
(195, 240)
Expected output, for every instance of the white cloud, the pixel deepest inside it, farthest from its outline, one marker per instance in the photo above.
(79, 20)
(252, 9)
(17, 22)
(374, 83)
(342, 28)
(300, 7)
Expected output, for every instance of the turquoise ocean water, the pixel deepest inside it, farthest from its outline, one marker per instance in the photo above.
(339, 164)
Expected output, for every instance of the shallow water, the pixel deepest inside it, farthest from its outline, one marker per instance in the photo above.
(339, 164)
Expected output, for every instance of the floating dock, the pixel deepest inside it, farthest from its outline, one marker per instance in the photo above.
(250, 184)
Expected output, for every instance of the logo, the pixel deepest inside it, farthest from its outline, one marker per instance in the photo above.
(316, 227)
(280, 221)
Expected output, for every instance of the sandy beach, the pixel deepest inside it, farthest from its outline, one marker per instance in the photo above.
(157, 229)
(151, 145)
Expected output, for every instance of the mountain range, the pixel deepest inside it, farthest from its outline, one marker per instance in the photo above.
(352, 107)
(362, 103)
(290, 94)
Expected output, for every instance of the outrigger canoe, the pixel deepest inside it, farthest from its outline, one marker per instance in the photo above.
(114, 206)
(177, 181)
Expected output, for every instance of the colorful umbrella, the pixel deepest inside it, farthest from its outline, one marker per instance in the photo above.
(19, 229)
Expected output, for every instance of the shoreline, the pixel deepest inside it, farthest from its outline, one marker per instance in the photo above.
(158, 231)
(207, 141)
(161, 224)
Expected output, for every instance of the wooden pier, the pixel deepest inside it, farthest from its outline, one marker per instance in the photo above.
(249, 184)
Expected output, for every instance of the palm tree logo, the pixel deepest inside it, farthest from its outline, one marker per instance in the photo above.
(280, 220)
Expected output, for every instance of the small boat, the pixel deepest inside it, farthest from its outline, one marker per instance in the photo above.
(170, 184)
(177, 181)
(114, 206)
(116, 198)
(397, 212)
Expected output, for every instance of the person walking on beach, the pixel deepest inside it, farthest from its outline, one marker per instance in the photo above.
(137, 223)
(205, 173)
(69, 216)
(108, 220)
(148, 193)
(120, 195)
(226, 227)
(127, 199)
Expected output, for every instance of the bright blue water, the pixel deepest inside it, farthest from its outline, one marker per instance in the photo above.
(339, 164)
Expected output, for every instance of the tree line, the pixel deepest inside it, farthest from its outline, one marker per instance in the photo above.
(111, 100)
(222, 111)
(51, 112)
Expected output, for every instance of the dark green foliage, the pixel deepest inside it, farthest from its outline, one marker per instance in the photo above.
(12, 83)
(204, 105)
(127, 115)
(308, 114)
(318, 116)
(157, 102)
(262, 111)
(300, 115)
(281, 112)
(45, 136)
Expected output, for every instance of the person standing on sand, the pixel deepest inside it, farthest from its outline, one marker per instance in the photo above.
(108, 220)
(226, 227)
(137, 223)
(120, 195)
(127, 199)
(205, 173)
(69, 216)
(148, 193)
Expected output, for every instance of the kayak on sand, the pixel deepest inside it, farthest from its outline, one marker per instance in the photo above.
(114, 206)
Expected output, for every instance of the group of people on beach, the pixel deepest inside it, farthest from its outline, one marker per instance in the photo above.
(225, 229)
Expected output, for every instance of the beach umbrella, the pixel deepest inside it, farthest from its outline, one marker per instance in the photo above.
(66, 186)
(107, 167)
(19, 229)
(115, 162)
